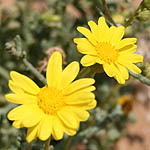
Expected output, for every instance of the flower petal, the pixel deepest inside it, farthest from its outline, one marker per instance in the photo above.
(88, 60)
(125, 42)
(80, 98)
(21, 98)
(15, 88)
(69, 74)
(57, 130)
(29, 115)
(133, 58)
(32, 133)
(24, 83)
(87, 33)
(108, 68)
(17, 124)
(45, 127)
(103, 30)
(130, 66)
(54, 70)
(80, 114)
(68, 118)
(88, 106)
(84, 46)
(117, 35)
(78, 85)
(123, 70)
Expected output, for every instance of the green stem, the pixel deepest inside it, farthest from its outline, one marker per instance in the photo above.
(141, 78)
(34, 70)
(68, 142)
(47, 144)
(4, 73)
(113, 93)
(18, 51)
(89, 72)
(132, 17)
(107, 12)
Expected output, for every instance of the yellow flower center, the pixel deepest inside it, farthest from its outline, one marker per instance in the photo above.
(50, 100)
(107, 52)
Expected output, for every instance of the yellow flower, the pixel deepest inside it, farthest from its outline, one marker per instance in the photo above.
(57, 107)
(104, 45)
(126, 103)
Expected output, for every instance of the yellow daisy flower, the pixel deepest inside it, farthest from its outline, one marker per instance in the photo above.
(104, 45)
(126, 103)
(57, 107)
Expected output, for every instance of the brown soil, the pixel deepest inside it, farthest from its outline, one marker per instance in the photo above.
(137, 134)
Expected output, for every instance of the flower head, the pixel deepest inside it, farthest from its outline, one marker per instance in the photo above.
(55, 108)
(126, 103)
(104, 45)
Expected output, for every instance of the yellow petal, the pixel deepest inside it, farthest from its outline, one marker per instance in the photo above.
(132, 58)
(45, 128)
(87, 33)
(88, 106)
(103, 29)
(125, 42)
(68, 118)
(123, 70)
(21, 98)
(80, 98)
(117, 35)
(134, 68)
(69, 74)
(17, 124)
(29, 115)
(69, 131)
(130, 66)
(78, 85)
(84, 46)
(33, 116)
(57, 130)
(88, 60)
(127, 49)
(112, 30)
(15, 88)
(32, 133)
(54, 70)
(24, 82)
(80, 114)
(16, 113)
(108, 68)
(118, 74)
(120, 79)
(95, 30)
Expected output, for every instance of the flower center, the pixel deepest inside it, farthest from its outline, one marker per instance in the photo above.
(50, 100)
(106, 52)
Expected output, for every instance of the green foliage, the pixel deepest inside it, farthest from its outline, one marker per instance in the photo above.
(55, 26)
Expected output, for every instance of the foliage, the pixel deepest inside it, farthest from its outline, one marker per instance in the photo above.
(52, 27)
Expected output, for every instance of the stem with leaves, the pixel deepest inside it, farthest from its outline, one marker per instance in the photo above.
(20, 54)
(107, 12)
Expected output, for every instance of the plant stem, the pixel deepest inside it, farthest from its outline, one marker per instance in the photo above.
(132, 17)
(34, 71)
(68, 142)
(107, 12)
(113, 93)
(18, 51)
(47, 143)
(89, 72)
(141, 78)
(4, 73)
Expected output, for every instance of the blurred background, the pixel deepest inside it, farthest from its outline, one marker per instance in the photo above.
(121, 120)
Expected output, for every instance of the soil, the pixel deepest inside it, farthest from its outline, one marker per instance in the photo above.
(138, 133)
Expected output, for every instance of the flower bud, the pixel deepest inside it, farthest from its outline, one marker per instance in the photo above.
(144, 15)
